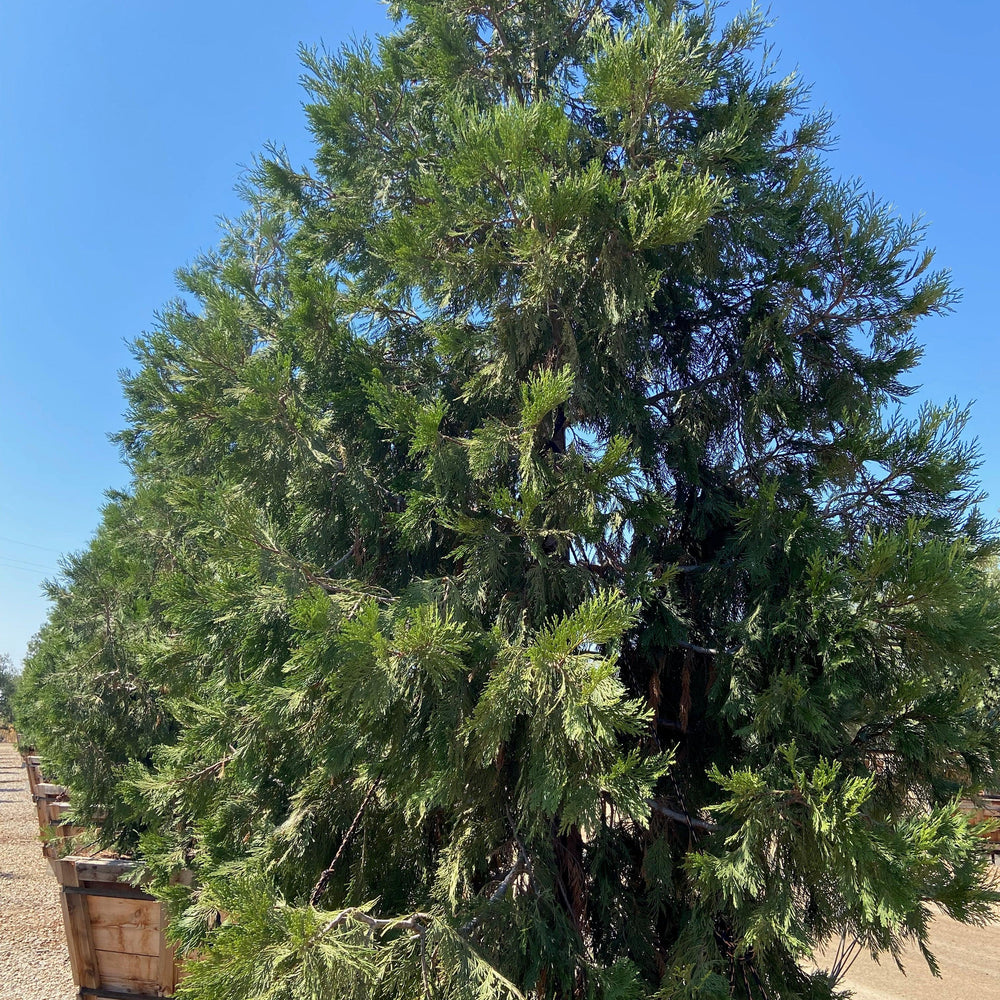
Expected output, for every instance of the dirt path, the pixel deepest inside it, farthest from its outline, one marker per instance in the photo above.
(969, 958)
(34, 964)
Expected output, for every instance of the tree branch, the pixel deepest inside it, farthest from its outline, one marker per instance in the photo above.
(704, 650)
(682, 817)
(520, 866)
(320, 886)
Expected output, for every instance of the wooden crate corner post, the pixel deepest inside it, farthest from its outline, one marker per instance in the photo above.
(76, 917)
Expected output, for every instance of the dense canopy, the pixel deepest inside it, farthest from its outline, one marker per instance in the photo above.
(530, 584)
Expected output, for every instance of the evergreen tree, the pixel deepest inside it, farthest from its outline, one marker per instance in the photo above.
(535, 582)
(8, 686)
(90, 697)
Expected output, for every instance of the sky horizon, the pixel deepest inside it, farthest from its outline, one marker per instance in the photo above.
(124, 129)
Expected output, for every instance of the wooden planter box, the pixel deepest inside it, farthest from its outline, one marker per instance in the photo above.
(33, 765)
(114, 931)
(985, 809)
(52, 805)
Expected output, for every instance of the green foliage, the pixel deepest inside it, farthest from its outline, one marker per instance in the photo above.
(8, 688)
(531, 584)
(91, 695)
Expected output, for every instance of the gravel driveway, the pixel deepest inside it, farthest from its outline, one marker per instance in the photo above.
(34, 964)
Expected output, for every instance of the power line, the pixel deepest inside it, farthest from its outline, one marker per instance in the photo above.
(48, 567)
(30, 545)
(24, 569)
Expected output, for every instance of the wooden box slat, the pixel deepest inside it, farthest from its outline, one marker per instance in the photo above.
(169, 970)
(76, 919)
(129, 973)
(34, 777)
(56, 812)
(102, 869)
(129, 926)
(51, 791)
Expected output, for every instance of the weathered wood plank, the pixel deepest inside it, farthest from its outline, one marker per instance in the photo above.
(168, 965)
(76, 919)
(119, 890)
(62, 831)
(138, 973)
(34, 773)
(107, 911)
(109, 994)
(56, 811)
(50, 790)
(102, 869)
(125, 925)
(128, 940)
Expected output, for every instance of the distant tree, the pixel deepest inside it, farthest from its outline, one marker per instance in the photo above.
(91, 698)
(8, 685)
(531, 585)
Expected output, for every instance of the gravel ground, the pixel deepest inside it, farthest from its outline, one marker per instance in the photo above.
(34, 964)
(969, 958)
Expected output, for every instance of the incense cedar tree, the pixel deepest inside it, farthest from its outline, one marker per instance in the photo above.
(530, 584)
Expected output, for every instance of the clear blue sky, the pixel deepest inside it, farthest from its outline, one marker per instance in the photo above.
(123, 126)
